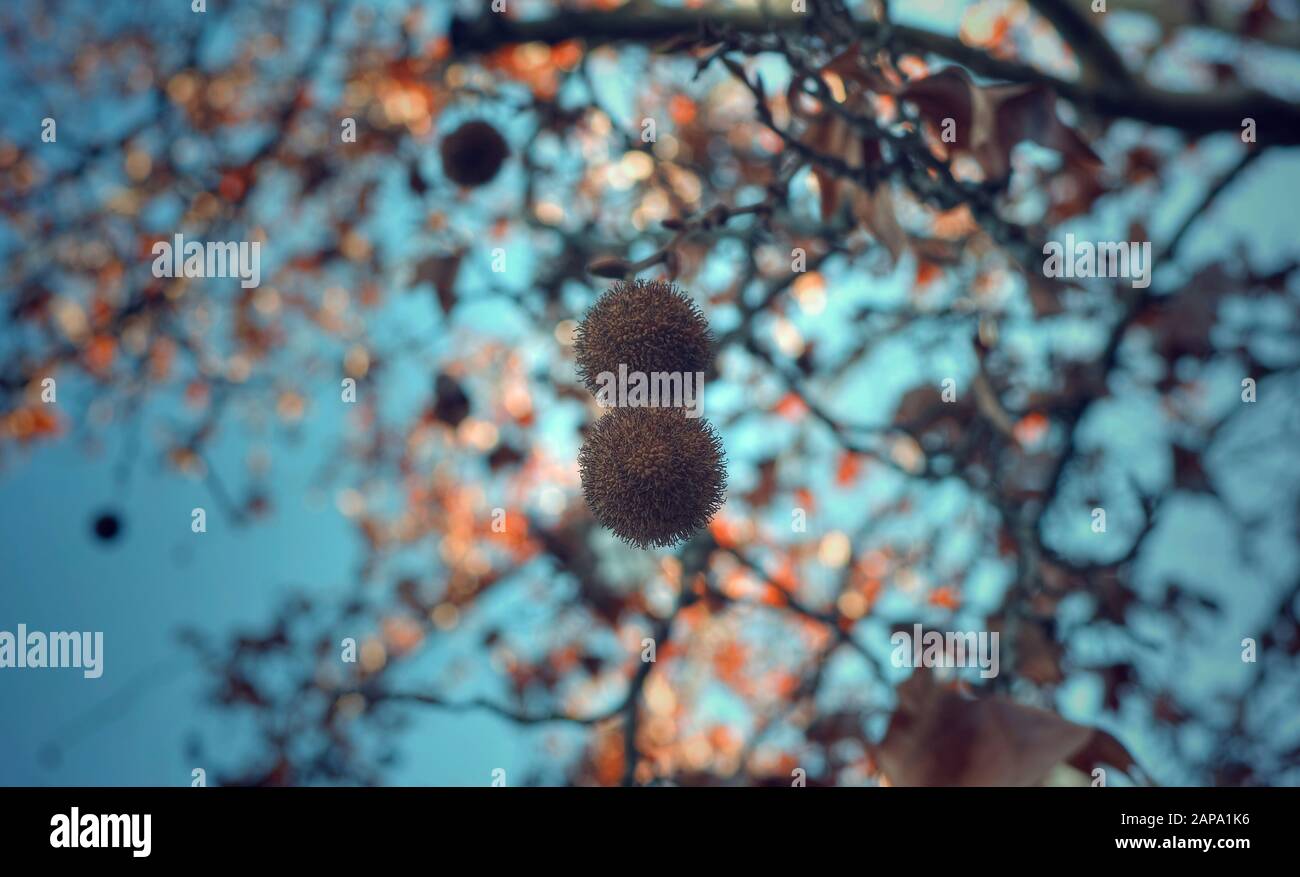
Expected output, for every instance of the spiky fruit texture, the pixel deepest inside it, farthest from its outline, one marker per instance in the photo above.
(652, 475)
(648, 325)
(473, 153)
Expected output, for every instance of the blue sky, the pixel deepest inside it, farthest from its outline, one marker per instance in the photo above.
(132, 725)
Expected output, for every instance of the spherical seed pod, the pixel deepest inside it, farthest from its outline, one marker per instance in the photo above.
(473, 153)
(652, 475)
(451, 404)
(107, 525)
(647, 325)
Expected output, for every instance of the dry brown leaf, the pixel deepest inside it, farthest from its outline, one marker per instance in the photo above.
(940, 737)
(991, 119)
(875, 210)
(989, 405)
(440, 271)
(831, 135)
(1038, 656)
(849, 66)
(1045, 293)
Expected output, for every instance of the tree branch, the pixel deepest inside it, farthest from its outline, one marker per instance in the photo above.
(1098, 58)
(1195, 114)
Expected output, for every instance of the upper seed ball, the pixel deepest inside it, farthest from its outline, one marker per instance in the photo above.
(647, 325)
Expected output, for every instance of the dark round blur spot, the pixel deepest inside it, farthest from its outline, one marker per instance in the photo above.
(107, 526)
(473, 153)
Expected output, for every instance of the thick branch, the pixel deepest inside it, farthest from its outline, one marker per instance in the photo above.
(1277, 121)
(1100, 61)
(1228, 18)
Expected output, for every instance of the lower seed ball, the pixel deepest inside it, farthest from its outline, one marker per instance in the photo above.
(652, 475)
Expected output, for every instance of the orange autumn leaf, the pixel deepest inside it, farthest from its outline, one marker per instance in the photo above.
(682, 109)
(724, 532)
(804, 499)
(197, 394)
(729, 662)
(945, 598)
(1031, 428)
(161, 356)
(99, 353)
(955, 223)
(913, 66)
(44, 422)
(871, 590)
(27, 424)
(784, 683)
(722, 738)
(990, 34)
(566, 658)
(401, 634)
(235, 183)
(926, 272)
(607, 758)
(566, 55)
(101, 311)
(848, 469)
(785, 577)
(791, 407)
